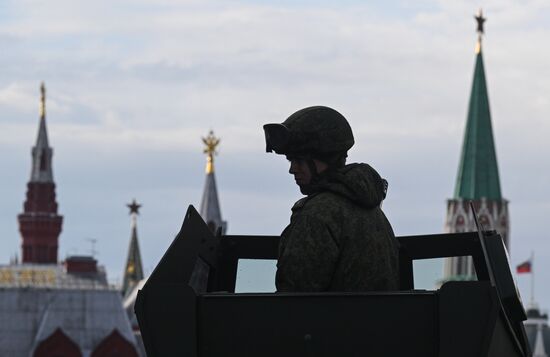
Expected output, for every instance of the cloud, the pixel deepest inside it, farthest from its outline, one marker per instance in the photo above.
(17, 97)
(133, 85)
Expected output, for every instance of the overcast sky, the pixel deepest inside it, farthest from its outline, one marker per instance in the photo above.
(133, 85)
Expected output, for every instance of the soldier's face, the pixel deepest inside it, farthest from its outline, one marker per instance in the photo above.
(299, 168)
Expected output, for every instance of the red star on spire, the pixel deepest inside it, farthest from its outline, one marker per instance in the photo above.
(480, 20)
(134, 207)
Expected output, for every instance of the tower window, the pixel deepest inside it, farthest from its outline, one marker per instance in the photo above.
(43, 161)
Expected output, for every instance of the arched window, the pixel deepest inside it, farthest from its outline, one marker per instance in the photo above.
(486, 221)
(460, 223)
(57, 345)
(115, 345)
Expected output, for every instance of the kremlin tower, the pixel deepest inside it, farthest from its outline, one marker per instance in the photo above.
(477, 179)
(210, 204)
(39, 224)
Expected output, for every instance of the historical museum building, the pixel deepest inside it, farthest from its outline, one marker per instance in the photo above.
(50, 308)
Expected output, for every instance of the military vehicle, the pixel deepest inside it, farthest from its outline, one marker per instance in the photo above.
(189, 307)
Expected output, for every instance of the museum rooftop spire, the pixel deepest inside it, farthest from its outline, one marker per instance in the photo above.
(210, 204)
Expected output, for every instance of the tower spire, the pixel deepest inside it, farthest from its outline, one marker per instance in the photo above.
(39, 224)
(133, 271)
(42, 152)
(42, 101)
(478, 170)
(210, 205)
(478, 177)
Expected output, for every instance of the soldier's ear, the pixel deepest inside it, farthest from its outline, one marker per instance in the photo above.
(320, 165)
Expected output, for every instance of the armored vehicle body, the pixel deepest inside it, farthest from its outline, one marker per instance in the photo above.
(189, 307)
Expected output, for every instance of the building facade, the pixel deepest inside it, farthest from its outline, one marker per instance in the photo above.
(537, 331)
(62, 310)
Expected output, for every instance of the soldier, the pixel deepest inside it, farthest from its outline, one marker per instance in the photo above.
(338, 238)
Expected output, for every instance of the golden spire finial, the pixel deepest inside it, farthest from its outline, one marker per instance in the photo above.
(211, 143)
(480, 31)
(42, 100)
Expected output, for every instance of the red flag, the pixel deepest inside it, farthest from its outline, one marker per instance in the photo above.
(524, 267)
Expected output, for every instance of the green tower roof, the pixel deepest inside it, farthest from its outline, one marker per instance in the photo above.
(478, 170)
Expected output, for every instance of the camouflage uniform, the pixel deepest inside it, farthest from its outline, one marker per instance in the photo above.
(338, 238)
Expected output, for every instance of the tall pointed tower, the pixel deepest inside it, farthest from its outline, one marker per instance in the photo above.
(477, 180)
(39, 224)
(133, 271)
(210, 205)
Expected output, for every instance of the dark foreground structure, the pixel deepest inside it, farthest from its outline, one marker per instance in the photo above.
(188, 306)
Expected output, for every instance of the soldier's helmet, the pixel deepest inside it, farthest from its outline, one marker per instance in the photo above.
(313, 131)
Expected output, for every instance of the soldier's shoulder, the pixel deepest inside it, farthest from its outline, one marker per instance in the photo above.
(298, 205)
(319, 202)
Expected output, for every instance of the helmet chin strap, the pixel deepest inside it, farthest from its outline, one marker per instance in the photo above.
(316, 176)
(312, 170)
(308, 189)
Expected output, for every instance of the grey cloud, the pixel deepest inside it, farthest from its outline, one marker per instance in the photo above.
(138, 87)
